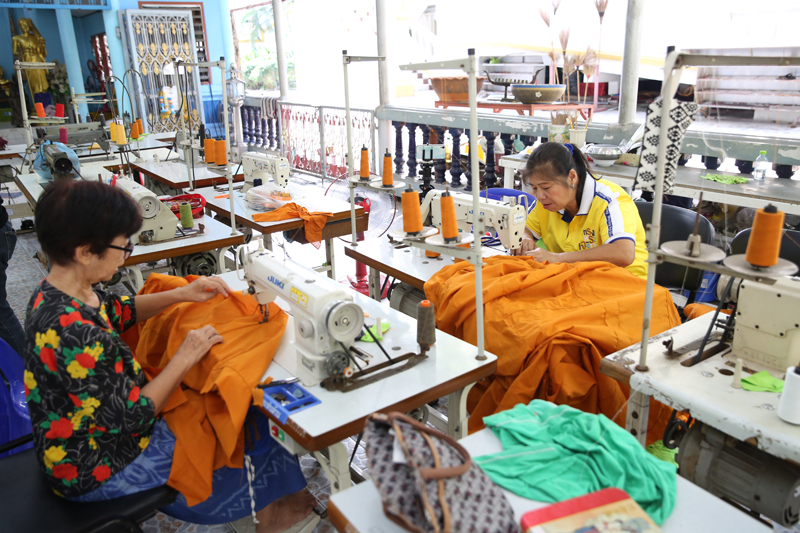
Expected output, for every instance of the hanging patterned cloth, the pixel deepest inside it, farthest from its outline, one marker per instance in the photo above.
(681, 115)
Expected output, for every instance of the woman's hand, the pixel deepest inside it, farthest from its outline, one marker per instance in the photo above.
(527, 246)
(203, 289)
(544, 255)
(197, 344)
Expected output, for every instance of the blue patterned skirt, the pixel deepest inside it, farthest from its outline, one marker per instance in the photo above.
(277, 473)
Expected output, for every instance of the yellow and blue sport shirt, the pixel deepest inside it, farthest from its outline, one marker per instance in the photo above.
(606, 214)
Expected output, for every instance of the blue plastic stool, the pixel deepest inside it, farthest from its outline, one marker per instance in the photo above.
(15, 421)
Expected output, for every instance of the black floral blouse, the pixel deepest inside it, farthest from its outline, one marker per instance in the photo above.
(83, 389)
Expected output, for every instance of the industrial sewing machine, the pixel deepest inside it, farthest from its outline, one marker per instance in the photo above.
(87, 133)
(158, 222)
(506, 218)
(261, 166)
(326, 319)
(59, 162)
(327, 323)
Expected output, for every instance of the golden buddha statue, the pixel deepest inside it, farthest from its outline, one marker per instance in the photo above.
(29, 47)
(5, 85)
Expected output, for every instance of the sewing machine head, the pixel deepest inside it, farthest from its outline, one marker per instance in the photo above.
(767, 319)
(158, 222)
(326, 320)
(261, 166)
(506, 218)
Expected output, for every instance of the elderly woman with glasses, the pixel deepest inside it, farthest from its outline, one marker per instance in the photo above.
(94, 413)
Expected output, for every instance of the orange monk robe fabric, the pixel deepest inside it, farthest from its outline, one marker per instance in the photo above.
(312, 222)
(207, 413)
(550, 325)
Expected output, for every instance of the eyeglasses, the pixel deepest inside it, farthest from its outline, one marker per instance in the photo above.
(127, 249)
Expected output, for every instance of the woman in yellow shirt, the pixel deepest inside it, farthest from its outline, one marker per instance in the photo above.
(577, 216)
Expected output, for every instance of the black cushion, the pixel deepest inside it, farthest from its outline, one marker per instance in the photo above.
(28, 504)
(790, 244)
(677, 224)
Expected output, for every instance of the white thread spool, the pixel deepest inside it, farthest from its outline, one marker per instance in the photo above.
(789, 408)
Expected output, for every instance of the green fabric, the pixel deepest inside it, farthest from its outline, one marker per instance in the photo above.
(722, 178)
(540, 244)
(552, 453)
(762, 382)
(384, 327)
(661, 452)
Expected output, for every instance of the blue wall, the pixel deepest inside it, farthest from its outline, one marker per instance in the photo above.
(216, 13)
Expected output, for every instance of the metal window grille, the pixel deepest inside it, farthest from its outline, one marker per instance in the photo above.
(199, 25)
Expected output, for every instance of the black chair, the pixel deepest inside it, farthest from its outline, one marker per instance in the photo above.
(28, 504)
(677, 224)
(790, 244)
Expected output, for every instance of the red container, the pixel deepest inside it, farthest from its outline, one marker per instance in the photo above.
(602, 88)
(197, 202)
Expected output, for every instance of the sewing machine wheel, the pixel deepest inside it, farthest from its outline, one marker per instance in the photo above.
(345, 321)
(337, 363)
(202, 264)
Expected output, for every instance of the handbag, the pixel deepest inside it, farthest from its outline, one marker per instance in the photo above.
(428, 482)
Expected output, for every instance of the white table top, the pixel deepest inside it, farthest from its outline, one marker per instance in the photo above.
(711, 399)
(785, 194)
(695, 509)
(13, 150)
(175, 174)
(403, 262)
(150, 142)
(215, 235)
(308, 196)
(450, 361)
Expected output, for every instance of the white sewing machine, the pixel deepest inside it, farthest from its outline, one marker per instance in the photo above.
(767, 321)
(158, 222)
(326, 320)
(506, 218)
(258, 165)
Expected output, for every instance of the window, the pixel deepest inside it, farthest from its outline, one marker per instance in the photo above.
(199, 23)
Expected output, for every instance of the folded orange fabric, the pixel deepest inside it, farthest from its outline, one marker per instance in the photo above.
(550, 325)
(313, 222)
(695, 310)
(207, 413)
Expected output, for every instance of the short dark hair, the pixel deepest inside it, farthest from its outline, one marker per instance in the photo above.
(73, 213)
(555, 160)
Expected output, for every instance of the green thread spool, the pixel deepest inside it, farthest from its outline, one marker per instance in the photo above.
(186, 215)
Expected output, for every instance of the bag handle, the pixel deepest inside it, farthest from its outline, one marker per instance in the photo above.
(433, 473)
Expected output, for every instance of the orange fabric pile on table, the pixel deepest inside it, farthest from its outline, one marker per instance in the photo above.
(207, 413)
(312, 222)
(550, 325)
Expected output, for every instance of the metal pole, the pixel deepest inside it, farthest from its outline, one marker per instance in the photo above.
(229, 172)
(478, 223)
(350, 172)
(630, 63)
(283, 76)
(671, 79)
(23, 107)
(323, 159)
(384, 126)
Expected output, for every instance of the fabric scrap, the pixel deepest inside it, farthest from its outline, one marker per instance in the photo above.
(384, 328)
(207, 413)
(550, 326)
(762, 382)
(312, 222)
(662, 453)
(723, 178)
(553, 453)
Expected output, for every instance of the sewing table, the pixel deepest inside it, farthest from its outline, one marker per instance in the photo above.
(782, 193)
(308, 196)
(402, 262)
(360, 509)
(174, 177)
(216, 236)
(451, 369)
